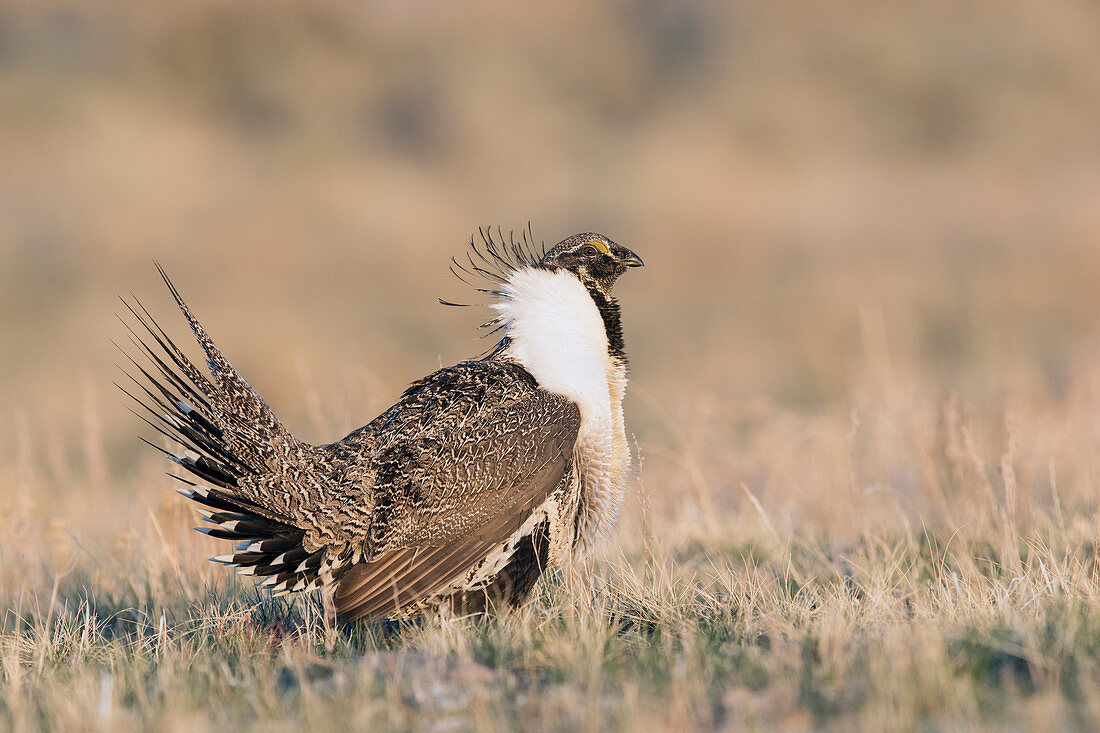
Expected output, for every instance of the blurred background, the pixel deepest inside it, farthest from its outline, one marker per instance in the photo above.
(831, 199)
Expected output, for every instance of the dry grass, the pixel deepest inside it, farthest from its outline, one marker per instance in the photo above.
(865, 385)
(910, 562)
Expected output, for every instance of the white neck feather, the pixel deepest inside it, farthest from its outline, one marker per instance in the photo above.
(557, 333)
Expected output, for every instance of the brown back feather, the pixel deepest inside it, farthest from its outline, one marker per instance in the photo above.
(402, 577)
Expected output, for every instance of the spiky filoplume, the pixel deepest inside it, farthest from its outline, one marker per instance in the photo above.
(481, 476)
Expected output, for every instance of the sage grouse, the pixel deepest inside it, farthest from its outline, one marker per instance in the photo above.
(459, 496)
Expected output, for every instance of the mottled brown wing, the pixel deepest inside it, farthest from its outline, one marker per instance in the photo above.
(446, 483)
(475, 490)
(403, 577)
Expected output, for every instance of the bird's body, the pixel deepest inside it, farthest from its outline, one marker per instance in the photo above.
(483, 475)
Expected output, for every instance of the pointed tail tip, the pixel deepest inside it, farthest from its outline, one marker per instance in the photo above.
(161, 272)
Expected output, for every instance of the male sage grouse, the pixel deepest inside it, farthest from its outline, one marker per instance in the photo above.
(459, 496)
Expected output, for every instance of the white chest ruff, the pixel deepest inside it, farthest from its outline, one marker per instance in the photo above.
(557, 334)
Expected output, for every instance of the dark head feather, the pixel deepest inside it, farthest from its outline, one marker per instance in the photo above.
(490, 258)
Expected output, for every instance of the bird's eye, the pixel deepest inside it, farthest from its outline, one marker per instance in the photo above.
(589, 250)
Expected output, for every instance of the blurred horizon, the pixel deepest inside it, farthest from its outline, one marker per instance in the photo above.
(826, 200)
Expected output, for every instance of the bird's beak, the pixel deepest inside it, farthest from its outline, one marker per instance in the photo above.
(632, 260)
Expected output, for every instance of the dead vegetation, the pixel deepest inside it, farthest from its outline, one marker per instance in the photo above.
(865, 385)
(907, 562)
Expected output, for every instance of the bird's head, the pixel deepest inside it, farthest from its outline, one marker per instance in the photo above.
(593, 258)
(531, 284)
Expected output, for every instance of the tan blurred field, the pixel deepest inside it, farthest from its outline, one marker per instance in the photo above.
(865, 350)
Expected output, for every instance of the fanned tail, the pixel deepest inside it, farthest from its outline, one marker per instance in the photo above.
(228, 439)
(271, 551)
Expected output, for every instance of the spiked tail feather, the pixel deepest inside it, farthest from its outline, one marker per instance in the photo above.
(226, 436)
